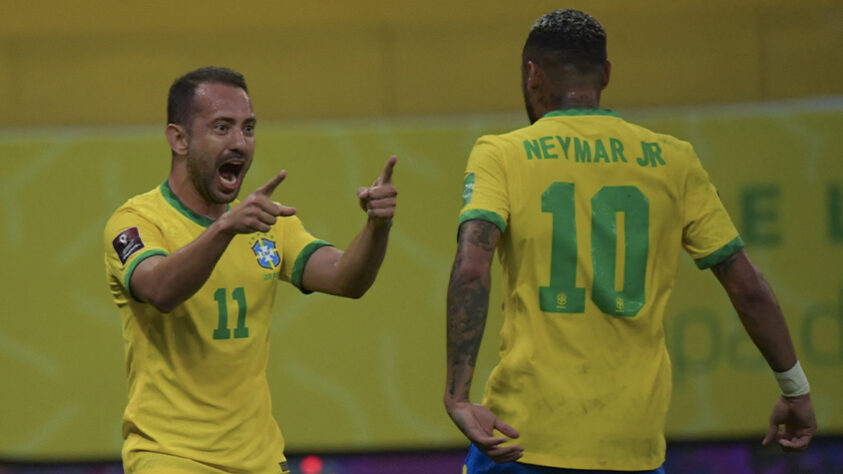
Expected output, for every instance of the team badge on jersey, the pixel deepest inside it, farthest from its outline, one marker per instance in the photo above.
(267, 254)
(127, 243)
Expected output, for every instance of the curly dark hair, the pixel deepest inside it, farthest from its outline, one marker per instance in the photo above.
(566, 37)
(180, 99)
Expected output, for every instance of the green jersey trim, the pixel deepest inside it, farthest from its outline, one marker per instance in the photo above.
(573, 112)
(174, 201)
(129, 271)
(719, 255)
(301, 262)
(487, 216)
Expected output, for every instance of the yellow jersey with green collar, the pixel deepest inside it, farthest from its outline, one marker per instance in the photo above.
(593, 212)
(197, 376)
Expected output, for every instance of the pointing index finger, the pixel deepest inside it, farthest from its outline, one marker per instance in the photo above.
(268, 188)
(386, 176)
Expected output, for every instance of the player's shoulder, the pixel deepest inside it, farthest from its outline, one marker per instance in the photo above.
(680, 148)
(503, 144)
(288, 223)
(146, 204)
(512, 136)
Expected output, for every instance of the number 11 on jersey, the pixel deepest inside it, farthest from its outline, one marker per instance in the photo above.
(222, 331)
(563, 295)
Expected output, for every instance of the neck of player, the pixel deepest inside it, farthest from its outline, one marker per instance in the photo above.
(578, 98)
(191, 198)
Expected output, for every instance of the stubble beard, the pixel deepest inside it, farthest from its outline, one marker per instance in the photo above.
(204, 181)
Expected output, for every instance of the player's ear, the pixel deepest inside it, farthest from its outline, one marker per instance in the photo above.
(535, 76)
(607, 71)
(178, 138)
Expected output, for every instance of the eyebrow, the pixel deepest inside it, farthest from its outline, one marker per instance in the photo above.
(232, 121)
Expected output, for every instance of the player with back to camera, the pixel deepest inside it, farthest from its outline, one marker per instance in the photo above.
(194, 274)
(583, 380)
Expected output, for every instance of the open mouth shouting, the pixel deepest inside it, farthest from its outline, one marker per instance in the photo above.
(230, 173)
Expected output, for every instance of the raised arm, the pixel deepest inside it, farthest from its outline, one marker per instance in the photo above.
(351, 272)
(166, 282)
(468, 305)
(762, 318)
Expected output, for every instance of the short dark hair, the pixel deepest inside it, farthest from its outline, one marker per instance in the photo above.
(566, 37)
(180, 99)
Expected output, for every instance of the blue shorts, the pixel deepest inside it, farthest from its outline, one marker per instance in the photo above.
(478, 463)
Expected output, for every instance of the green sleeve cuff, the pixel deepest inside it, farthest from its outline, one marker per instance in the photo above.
(487, 216)
(719, 255)
(127, 281)
(301, 262)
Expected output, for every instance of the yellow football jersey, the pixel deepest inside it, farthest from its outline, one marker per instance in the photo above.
(198, 394)
(593, 212)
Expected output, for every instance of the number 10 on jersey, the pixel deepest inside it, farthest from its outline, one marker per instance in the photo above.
(563, 295)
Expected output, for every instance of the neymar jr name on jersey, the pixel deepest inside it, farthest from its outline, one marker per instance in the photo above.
(548, 148)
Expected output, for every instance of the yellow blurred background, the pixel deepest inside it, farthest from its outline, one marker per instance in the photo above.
(338, 87)
(107, 62)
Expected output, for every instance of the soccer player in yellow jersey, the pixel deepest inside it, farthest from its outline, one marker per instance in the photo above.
(194, 272)
(588, 213)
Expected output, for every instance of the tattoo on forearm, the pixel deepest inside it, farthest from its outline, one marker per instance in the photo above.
(468, 304)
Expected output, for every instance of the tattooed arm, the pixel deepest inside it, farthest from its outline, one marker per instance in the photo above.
(762, 318)
(468, 303)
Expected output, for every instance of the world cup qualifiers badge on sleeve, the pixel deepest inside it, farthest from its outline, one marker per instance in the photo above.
(127, 243)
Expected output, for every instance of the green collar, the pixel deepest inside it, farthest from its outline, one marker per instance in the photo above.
(569, 112)
(174, 201)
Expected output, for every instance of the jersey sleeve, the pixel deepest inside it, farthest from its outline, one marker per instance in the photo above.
(708, 234)
(485, 194)
(298, 246)
(129, 239)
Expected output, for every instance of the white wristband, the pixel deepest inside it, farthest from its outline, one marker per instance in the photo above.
(793, 381)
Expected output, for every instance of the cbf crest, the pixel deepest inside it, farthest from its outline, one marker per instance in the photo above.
(266, 253)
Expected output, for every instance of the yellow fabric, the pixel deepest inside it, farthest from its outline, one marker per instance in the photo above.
(589, 388)
(197, 388)
(155, 463)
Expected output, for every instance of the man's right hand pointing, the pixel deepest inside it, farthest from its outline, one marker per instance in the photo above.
(257, 212)
(379, 200)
